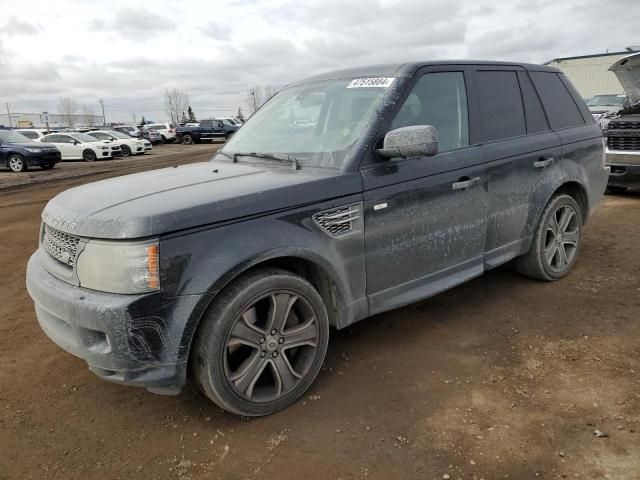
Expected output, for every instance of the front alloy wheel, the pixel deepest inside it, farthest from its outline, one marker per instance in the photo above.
(262, 343)
(17, 163)
(271, 346)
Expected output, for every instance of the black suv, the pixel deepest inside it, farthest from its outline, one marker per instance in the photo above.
(406, 180)
(18, 152)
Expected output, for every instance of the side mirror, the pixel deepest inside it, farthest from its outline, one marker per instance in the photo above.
(414, 141)
(76, 142)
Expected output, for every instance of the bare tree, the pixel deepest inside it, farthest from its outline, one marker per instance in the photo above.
(88, 114)
(67, 107)
(257, 96)
(175, 102)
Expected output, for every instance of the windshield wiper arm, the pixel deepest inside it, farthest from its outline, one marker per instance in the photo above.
(269, 156)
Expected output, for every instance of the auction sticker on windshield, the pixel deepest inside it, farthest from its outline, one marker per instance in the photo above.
(380, 82)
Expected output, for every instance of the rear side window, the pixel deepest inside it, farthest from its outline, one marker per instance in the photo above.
(536, 120)
(561, 109)
(501, 105)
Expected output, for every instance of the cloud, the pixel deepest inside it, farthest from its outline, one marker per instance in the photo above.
(134, 23)
(15, 26)
(129, 55)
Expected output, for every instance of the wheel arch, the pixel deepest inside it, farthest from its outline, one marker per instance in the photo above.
(578, 192)
(305, 264)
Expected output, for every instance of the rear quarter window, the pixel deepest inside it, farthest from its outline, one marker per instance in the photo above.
(561, 108)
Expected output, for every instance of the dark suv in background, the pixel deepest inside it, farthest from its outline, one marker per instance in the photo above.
(18, 152)
(406, 180)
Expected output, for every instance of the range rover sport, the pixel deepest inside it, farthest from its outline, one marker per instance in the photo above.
(346, 195)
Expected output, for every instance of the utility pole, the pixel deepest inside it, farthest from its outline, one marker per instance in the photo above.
(104, 120)
(9, 115)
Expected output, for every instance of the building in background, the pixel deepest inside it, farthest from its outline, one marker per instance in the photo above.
(37, 120)
(590, 73)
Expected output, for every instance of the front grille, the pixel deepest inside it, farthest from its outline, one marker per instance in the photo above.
(623, 143)
(338, 221)
(623, 125)
(61, 246)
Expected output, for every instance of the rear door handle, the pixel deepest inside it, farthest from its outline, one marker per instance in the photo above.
(464, 184)
(543, 162)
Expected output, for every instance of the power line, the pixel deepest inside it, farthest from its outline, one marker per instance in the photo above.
(104, 119)
(9, 115)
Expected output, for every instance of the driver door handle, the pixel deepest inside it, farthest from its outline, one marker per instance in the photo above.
(543, 162)
(465, 183)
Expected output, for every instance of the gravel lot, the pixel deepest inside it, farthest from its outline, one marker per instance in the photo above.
(502, 377)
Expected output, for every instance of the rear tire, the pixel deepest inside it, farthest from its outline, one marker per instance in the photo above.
(261, 343)
(556, 241)
(17, 163)
(89, 156)
(187, 139)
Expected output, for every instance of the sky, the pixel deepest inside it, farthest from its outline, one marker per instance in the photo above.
(129, 52)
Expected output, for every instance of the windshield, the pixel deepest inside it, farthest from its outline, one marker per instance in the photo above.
(121, 135)
(607, 101)
(83, 137)
(317, 124)
(13, 137)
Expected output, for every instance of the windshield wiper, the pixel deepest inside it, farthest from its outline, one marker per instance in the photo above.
(269, 156)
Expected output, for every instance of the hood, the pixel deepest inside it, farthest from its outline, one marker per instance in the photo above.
(627, 70)
(170, 199)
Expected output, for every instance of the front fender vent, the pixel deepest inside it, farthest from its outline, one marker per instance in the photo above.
(339, 221)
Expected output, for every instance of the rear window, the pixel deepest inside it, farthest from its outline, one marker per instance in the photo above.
(31, 135)
(562, 110)
(501, 105)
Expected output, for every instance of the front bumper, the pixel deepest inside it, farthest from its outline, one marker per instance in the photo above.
(625, 168)
(43, 158)
(138, 340)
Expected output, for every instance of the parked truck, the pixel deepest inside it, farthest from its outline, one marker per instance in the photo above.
(208, 130)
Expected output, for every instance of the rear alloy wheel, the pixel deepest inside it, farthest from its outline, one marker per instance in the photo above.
(17, 163)
(262, 343)
(89, 156)
(556, 241)
(126, 151)
(187, 139)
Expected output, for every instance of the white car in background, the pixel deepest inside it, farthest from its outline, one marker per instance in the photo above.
(32, 133)
(128, 144)
(80, 146)
(167, 131)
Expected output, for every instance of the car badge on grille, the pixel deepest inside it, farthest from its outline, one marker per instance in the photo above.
(58, 221)
(65, 257)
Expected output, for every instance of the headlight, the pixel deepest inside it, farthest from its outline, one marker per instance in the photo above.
(33, 150)
(120, 267)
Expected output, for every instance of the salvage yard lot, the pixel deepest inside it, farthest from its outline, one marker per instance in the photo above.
(160, 156)
(502, 377)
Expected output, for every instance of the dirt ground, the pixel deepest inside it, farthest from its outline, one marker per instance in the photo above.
(502, 377)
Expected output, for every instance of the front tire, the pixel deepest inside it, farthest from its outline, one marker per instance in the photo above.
(187, 139)
(89, 156)
(556, 241)
(261, 343)
(126, 151)
(163, 139)
(17, 163)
